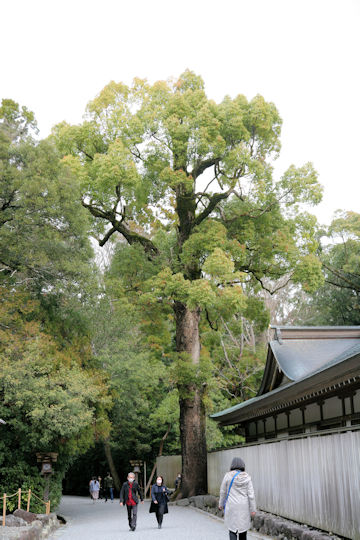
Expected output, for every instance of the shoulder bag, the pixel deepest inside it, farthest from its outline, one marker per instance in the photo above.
(231, 483)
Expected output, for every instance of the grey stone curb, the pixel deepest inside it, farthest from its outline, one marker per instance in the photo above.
(254, 534)
(263, 523)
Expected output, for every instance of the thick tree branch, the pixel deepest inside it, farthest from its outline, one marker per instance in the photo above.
(201, 166)
(7, 204)
(107, 236)
(341, 276)
(351, 288)
(131, 237)
(213, 202)
(97, 212)
(134, 238)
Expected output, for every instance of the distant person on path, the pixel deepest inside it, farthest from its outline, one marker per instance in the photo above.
(101, 487)
(237, 499)
(109, 487)
(178, 481)
(129, 497)
(160, 498)
(94, 488)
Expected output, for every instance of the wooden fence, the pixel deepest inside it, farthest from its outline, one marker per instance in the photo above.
(17, 494)
(313, 479)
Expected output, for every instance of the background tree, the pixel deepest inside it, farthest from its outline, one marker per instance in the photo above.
(156, 164)
(337, 302)
(133, 349)
(43, 228)
(52, 395)
(48, 400)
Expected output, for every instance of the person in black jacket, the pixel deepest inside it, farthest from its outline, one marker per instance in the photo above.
(160, 497)
(109, 487)
(129, 497)
(178, 481)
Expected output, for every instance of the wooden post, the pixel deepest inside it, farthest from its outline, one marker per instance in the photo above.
(28, 501)
(144, 479)
(19, 499)
(4, 509)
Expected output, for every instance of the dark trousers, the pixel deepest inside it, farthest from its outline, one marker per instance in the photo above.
(160, 509)
(111, 491)
(234, 536)
(132, 515)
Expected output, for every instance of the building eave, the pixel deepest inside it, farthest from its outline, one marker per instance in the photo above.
(344, 372)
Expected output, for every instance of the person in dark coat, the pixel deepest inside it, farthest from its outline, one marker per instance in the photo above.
(109, 487)
(129, 496)
(160, 497)
(178, 481)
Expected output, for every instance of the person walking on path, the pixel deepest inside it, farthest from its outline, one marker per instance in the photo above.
(129, 497)
(109, 487)
(94, 489)
(237, 499)
(101, 487)
(178, 481)
(160, 497)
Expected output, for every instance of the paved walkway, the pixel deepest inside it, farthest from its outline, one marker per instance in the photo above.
(108, 521)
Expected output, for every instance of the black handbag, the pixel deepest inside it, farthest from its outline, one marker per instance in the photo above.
(152, 507)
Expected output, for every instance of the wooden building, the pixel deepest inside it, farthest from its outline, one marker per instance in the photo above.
(311, 383)
(302, 430)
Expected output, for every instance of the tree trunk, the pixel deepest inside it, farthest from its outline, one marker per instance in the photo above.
(192, 411)
(111, 464)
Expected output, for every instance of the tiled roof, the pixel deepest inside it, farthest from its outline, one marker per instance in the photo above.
(310, 365)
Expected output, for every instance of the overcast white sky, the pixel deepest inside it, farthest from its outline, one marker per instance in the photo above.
(56, 55)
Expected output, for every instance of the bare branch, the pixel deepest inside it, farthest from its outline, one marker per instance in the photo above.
(85, 153)
(263, 286)
(212, 326)
(225, 353)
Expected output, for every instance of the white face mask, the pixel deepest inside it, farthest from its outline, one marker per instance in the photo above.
(158, 482)
(130, 480)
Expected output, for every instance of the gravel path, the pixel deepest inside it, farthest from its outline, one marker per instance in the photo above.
(108, 521)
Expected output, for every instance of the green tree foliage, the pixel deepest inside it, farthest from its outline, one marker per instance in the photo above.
(138, 379)
(50, 403)
(163, 161)
(43, 227)
(338, 301)
(52, 395)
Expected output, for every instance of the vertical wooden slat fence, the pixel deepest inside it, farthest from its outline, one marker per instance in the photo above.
(312, 480)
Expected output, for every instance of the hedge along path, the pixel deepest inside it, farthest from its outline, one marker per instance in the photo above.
(18, 494)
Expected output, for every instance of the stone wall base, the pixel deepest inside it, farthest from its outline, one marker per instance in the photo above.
(269, 524)
(28, 526)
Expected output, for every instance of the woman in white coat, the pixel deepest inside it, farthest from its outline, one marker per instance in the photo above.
(237, 499)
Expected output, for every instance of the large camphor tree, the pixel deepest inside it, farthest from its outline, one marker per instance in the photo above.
(189, 182)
